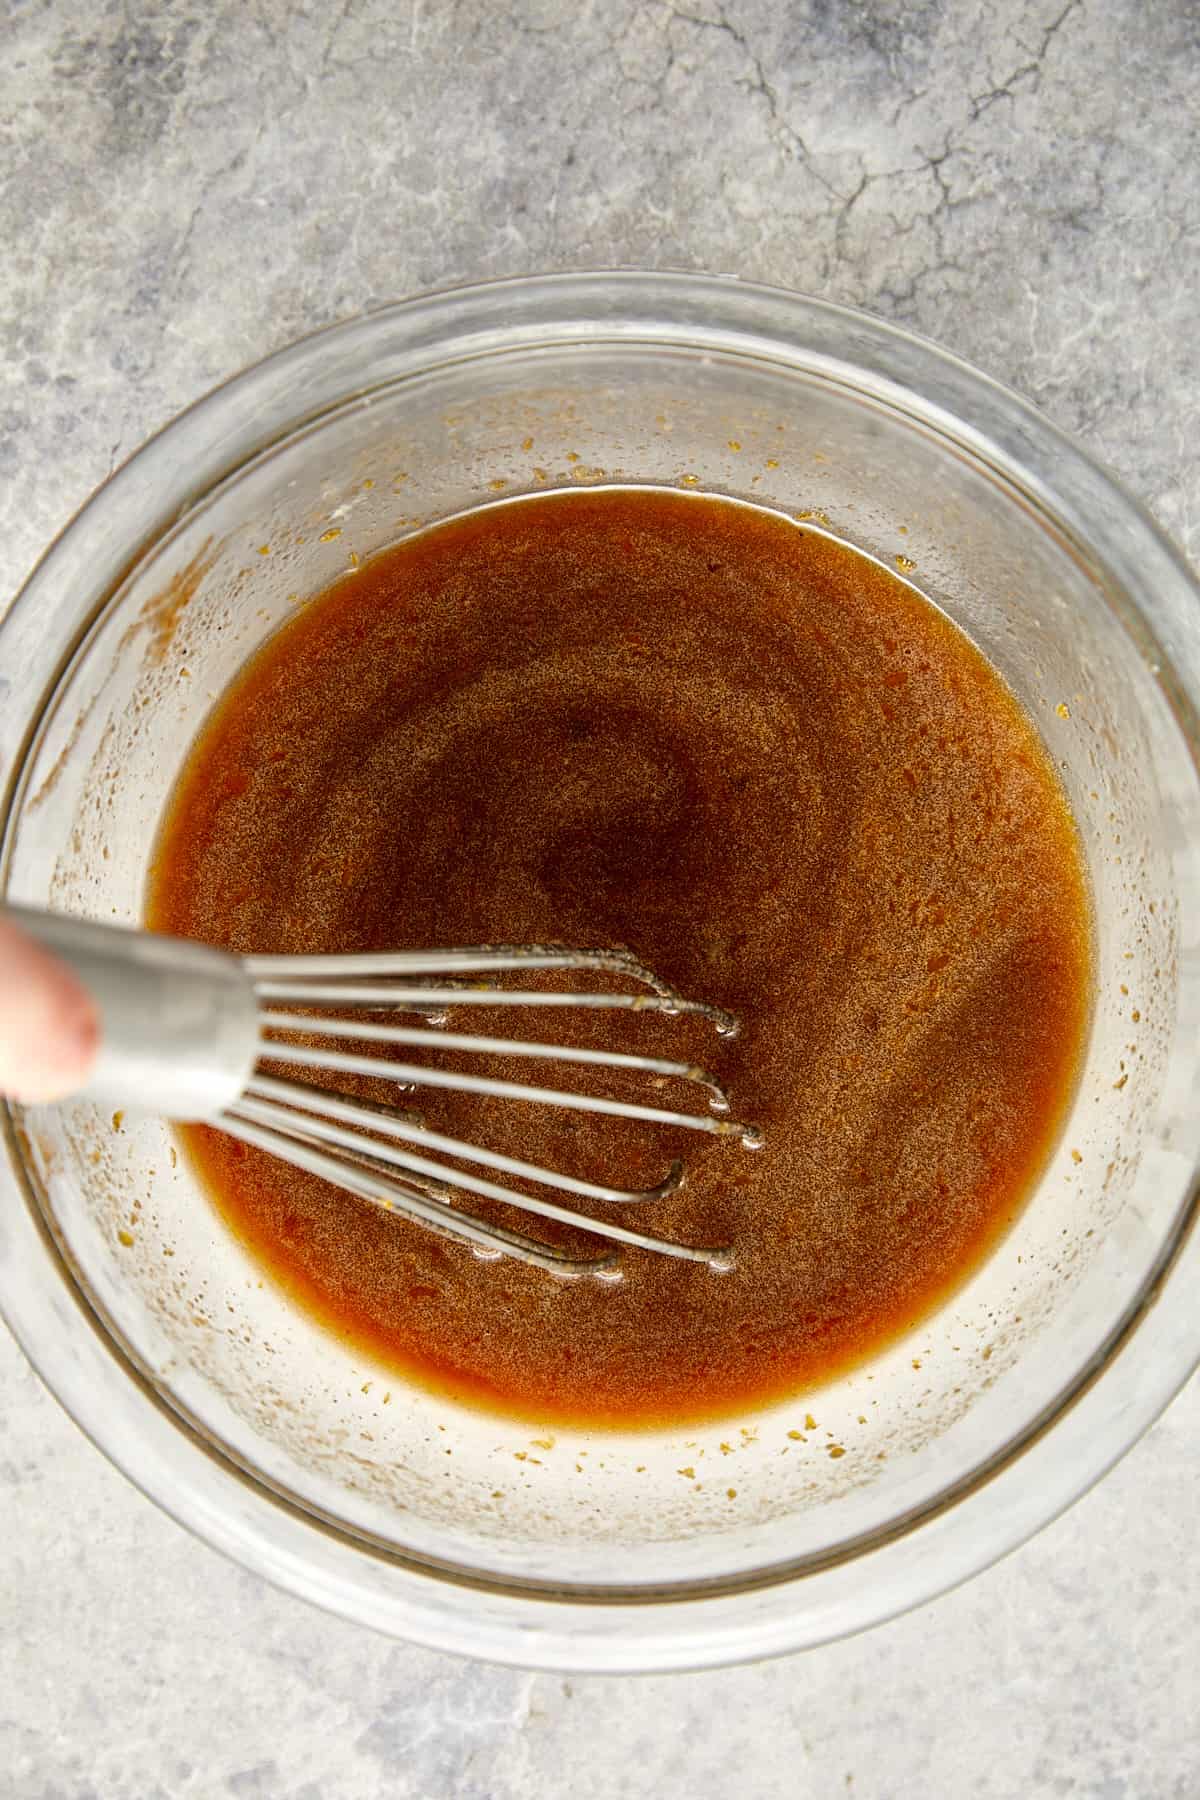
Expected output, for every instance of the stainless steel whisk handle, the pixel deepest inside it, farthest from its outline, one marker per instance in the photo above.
(179, 1031)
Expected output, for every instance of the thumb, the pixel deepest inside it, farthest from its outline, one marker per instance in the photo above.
(49, 1026)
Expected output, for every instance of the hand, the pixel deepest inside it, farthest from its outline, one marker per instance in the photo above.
(49, 1028)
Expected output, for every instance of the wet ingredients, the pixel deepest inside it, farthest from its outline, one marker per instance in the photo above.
(786, 781)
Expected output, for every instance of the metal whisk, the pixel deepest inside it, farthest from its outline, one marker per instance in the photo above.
(185, 1031)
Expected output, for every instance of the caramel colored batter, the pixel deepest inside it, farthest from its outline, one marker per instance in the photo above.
(789, 784)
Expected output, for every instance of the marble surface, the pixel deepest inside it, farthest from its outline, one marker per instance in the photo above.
(185, 186)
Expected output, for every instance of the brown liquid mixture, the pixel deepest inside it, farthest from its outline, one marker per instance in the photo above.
(783, 779)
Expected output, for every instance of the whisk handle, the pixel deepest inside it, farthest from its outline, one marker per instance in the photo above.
(178, 1020)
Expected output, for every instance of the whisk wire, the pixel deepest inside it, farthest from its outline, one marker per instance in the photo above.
(421, 1075)
(394, 1196)
(375, 1118)
(329, 1132)
(415, 1038)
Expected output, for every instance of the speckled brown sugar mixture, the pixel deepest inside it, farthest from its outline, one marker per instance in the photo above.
(787, 782)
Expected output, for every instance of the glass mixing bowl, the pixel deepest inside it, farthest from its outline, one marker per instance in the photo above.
(274, 1440)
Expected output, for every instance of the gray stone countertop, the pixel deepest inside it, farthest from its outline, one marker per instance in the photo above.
(185, 186)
